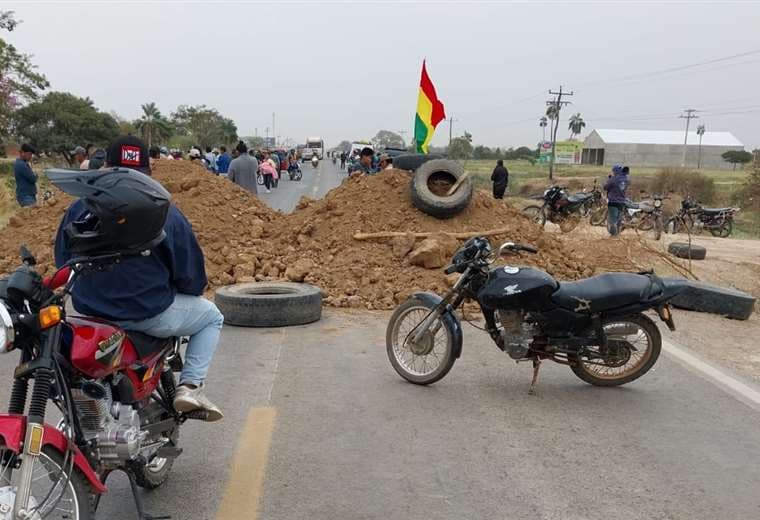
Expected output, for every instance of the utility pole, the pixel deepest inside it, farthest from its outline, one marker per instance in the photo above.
(688, 115)
(451, 129)
(273, 132)
(557, 103)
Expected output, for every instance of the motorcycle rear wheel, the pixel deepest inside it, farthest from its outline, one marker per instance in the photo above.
(411, 361)
(536, 214)
(598, 216)
(643, 349)
(724, 230)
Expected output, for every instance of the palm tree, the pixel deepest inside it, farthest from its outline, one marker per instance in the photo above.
(700, 133)
(148, 123)
(543, 122)
(576, 125)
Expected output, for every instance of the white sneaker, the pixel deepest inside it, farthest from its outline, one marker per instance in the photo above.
(191, 399)
(269, 191)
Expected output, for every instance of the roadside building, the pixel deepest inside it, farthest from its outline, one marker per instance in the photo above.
(657, 148)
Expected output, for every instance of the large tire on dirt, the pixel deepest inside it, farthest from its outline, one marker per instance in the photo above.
(684, 250)
(432, 181)
(725, 301)
(269, 304)
(412, 161)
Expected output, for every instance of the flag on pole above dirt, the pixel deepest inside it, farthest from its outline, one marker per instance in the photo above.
(429, 112)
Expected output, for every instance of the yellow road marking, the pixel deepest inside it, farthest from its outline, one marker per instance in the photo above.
(246, 481)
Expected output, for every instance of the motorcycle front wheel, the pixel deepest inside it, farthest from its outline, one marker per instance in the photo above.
(432, 357)
(72, 502)
(598, 216)
(259, 179)
(633, 346)
(536, 214)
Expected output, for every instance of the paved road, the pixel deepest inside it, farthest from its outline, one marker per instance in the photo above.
(318, 426)
(315, 184)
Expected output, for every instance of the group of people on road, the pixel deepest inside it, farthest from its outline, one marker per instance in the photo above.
(365, 161)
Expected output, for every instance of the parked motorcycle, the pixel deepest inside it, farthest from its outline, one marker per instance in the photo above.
(114, 388)
(596, 326)
(644, 216)
(563, 209)
(693, 218)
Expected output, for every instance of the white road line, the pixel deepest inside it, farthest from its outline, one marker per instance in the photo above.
(742, 391)
(274, 373)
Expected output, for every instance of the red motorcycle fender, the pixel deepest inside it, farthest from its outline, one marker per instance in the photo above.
(13, 429)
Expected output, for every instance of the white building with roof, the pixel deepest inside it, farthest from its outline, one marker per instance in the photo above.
(657, 148)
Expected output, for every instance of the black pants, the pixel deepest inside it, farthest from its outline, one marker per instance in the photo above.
(498, 191)
(268, 181)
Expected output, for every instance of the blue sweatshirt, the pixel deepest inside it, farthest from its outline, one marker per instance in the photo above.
(616, 187)
(142, 287)
(223, 162)
(26, 179)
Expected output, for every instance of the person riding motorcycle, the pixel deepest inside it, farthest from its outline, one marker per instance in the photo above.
(160, 294)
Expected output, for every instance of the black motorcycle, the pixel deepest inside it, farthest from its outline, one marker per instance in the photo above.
(597, 326)
(564, 209)
(693, 218)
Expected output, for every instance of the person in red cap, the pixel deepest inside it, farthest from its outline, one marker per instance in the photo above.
(160, 294)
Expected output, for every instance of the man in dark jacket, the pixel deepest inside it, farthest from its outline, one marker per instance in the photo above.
(500, 179)
(160, 294)
(26, 179)
(617, 200)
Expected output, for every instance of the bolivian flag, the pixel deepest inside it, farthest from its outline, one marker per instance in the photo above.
(429, 112)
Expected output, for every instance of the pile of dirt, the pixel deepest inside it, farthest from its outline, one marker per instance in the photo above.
(245, 240)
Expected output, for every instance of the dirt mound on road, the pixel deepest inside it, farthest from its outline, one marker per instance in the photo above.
(245, 240)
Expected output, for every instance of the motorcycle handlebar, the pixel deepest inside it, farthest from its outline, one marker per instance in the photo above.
(451, 269)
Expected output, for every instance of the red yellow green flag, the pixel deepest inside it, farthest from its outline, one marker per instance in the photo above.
(429, 112)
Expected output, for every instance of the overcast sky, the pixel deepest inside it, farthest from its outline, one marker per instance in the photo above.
(344, 70)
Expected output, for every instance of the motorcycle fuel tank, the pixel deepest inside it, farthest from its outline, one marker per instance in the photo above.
(99, 348)
(512, 287)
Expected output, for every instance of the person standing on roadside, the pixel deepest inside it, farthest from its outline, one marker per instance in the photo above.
(500, 179)
(616, 187)
(80, 158)
(223, 161)
(243, 168)
(26, 179)
(210, 160)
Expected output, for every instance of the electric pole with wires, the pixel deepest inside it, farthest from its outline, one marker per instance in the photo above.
(688, 115)
(555, 105)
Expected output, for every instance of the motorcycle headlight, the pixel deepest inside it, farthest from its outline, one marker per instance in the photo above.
(7, 333)
(657, 203)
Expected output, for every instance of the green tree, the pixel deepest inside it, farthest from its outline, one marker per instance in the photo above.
(344, 146)
(125, 126)
(388, 139)
(205, 125)
(254, 141)
(736, 157)
(60, 121)
(576, 125)
(19, 80)
(153, 126)
(461, 147)
(700, 133)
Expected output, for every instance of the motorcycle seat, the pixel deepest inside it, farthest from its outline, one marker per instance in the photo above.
(146, 345)
(578, 197)
(716, 211)
(604, 292)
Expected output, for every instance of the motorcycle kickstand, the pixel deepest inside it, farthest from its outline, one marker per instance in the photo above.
(141, 514)
(536, 366)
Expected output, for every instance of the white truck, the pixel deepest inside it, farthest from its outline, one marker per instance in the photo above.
(314, 145)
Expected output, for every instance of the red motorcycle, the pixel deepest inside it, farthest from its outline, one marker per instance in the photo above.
(114, 390)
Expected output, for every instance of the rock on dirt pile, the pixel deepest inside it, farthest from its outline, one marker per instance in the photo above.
(244, 240)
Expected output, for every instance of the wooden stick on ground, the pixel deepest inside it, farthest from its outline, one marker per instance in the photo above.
(461, 235)
(458, 183)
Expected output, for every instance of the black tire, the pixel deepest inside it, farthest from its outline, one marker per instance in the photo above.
(444, 366)
(724, 301)
(724, 231)
(412, 161)
(683, 250)
(655, 340)
(598, 216)
(259, 179)
(536, 214)
(269, 304)
(440, 174)
(646, 223)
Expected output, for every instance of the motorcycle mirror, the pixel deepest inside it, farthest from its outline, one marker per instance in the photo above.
(506, 247)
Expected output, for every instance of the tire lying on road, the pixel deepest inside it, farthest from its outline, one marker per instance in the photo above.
(684, 250)
(704, 297)
(432, 181)
(269, 304)
(412, 161)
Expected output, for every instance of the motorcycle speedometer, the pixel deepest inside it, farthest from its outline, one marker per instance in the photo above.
(657, 203)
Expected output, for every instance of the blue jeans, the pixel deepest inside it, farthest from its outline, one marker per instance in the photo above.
(192, 316)
(614, 218)
(27, 200)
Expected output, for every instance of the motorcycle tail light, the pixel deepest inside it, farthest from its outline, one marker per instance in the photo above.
(7, 334)
(50, 316)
